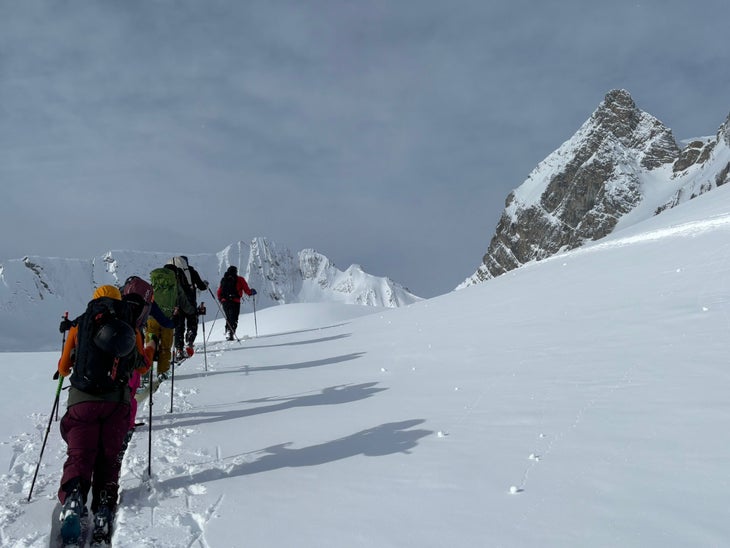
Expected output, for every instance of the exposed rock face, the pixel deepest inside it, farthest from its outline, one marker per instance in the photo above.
(622, 166)
(581, 190)
(703, 165)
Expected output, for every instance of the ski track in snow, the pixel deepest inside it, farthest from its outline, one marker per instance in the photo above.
(16, 482)
(140, 495)
(153, 499)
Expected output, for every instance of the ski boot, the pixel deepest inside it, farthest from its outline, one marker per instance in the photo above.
(103, 519)
(72, 512)
(180, 354)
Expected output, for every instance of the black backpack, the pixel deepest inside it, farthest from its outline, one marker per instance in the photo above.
(106, 347)
(229, 287)
(139, 294)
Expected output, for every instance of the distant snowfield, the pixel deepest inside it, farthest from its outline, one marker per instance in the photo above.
(578, 401)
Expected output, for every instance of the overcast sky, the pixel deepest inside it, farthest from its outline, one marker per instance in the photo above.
(383, 133)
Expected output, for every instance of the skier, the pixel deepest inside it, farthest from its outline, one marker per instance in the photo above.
(141, 294)
(101, 350)
(230, 291)
(171, 299)
(189, 280)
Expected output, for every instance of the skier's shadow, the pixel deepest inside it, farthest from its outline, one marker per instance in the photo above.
(332, 395)
(247, 369)
(386, 439)
(312, 363)
(247, 346)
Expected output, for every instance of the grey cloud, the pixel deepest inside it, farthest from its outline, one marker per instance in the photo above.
(384, 133)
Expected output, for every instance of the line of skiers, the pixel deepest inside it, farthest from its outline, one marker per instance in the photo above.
(109, 350)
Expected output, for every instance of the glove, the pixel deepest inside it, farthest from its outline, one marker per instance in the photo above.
(207, 284)
(56, 375)
(66, 324)
(253, 292)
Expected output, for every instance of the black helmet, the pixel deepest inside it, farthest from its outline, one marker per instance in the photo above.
(116, 337)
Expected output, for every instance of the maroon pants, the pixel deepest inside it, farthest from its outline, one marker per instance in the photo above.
(94, 432)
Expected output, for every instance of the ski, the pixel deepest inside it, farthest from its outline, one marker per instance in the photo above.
(144, 392)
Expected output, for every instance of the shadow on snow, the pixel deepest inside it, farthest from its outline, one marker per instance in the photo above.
(246, 369)
(386, 439)
(332, 395)
(243, 344)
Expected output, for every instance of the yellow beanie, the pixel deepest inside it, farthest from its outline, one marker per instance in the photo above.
(108, 291)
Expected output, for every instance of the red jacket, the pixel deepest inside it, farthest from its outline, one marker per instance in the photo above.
(241, 288)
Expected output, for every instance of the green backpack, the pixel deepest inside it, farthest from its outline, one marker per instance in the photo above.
(164, 283)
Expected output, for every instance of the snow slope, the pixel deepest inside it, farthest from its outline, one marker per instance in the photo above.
(578, 401)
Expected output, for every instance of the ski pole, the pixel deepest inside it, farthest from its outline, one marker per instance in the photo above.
(201, 313)
(45, 438)
(172, 379)
(63, 343)
(215, 319)
(220, 308)
(255, 323)
(149, 445)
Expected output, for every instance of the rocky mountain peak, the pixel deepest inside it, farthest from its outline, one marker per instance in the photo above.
(580, 191)
(618, 114)
(619, 117)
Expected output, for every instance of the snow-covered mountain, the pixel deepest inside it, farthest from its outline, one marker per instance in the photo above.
(621, 167)
(36, 291)
(587, 407)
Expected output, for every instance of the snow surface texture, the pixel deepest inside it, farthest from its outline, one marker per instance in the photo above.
(578, 401)
(36, 291)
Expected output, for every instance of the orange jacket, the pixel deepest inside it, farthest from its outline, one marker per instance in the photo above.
(65, 363)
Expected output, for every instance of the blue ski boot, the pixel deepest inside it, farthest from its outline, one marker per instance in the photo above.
(71, 514)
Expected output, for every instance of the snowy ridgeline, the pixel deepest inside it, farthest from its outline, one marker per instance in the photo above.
(36, 291)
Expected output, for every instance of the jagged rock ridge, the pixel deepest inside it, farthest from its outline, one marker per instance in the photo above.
(36, 291)
(603, 178)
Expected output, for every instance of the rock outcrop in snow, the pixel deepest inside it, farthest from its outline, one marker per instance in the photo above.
(622, 166)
